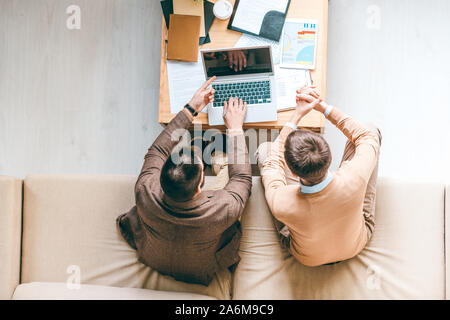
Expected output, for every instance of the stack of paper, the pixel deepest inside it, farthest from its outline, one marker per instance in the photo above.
(288, 81)
(184, 79)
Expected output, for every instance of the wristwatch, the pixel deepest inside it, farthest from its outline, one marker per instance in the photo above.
(191, 110)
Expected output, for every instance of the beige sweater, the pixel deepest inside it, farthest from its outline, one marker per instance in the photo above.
(327, 226)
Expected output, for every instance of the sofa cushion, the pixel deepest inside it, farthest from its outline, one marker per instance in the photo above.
(69, 232)
(404, 259)
(60, 291)
(10, 234)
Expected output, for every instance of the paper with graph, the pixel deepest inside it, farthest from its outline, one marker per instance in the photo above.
(299, 44)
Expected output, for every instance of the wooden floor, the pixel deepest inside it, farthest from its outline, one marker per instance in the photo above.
(85, 101)
(78, 101)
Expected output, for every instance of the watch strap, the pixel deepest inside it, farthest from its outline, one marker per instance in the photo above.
(191, 110)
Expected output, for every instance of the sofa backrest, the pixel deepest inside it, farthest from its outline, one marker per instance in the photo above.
(404, 260)
(69, 229)
(10, 234)
(69, 233)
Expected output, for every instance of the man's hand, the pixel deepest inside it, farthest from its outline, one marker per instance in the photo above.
(307, 99)
(303, 108)
(309, 95)
(203, 96)
(234, 113)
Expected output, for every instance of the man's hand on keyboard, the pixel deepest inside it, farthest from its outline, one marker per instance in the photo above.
(252, 92)
(234, 112)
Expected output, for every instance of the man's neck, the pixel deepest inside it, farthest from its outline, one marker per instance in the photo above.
(310, 188)
(309, 184)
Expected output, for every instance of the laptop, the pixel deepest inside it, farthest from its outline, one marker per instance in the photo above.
(250, 77)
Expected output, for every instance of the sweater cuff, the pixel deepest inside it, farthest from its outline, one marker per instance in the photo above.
(335, 116)
(291, 125)
(234, 132)
(188, 114)
(328, 110)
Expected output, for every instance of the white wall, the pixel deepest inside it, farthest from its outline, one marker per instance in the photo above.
(86, 101)
(397, 76)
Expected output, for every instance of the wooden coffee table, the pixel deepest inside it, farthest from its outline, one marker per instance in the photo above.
(221, 37)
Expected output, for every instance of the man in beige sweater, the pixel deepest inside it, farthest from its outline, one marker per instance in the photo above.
(322, 216)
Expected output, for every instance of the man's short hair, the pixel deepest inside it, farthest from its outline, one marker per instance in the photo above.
(307, 155)
(181, 177)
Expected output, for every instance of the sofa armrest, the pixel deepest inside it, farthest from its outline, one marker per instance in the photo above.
(10, 234)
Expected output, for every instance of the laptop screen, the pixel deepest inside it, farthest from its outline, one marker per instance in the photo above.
(243, 61)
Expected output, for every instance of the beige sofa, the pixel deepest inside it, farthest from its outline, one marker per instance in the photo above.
(72, 250)
(404, 260)
(10, 232)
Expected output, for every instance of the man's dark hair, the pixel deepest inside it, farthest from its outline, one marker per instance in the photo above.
(181, 176)
(307, 155)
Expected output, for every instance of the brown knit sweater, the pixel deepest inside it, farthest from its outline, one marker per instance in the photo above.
(191, 240)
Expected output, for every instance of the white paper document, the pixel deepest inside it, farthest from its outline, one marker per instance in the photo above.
(248, 40)
(185, 78)
(250, 13)
(288, 81)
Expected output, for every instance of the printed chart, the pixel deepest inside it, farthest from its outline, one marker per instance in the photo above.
(299, 44)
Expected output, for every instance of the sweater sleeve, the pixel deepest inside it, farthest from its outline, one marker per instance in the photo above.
(240, 173)
(161, 149)
(367, 143)
(273, 169)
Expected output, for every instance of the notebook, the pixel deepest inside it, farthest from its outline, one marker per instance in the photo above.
(192, 8)
(182, 43)
(167, 8)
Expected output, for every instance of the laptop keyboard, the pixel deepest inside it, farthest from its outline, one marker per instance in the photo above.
(256, 92)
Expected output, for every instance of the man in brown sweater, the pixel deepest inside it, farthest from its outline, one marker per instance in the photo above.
(324, 217)
(176, 227)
